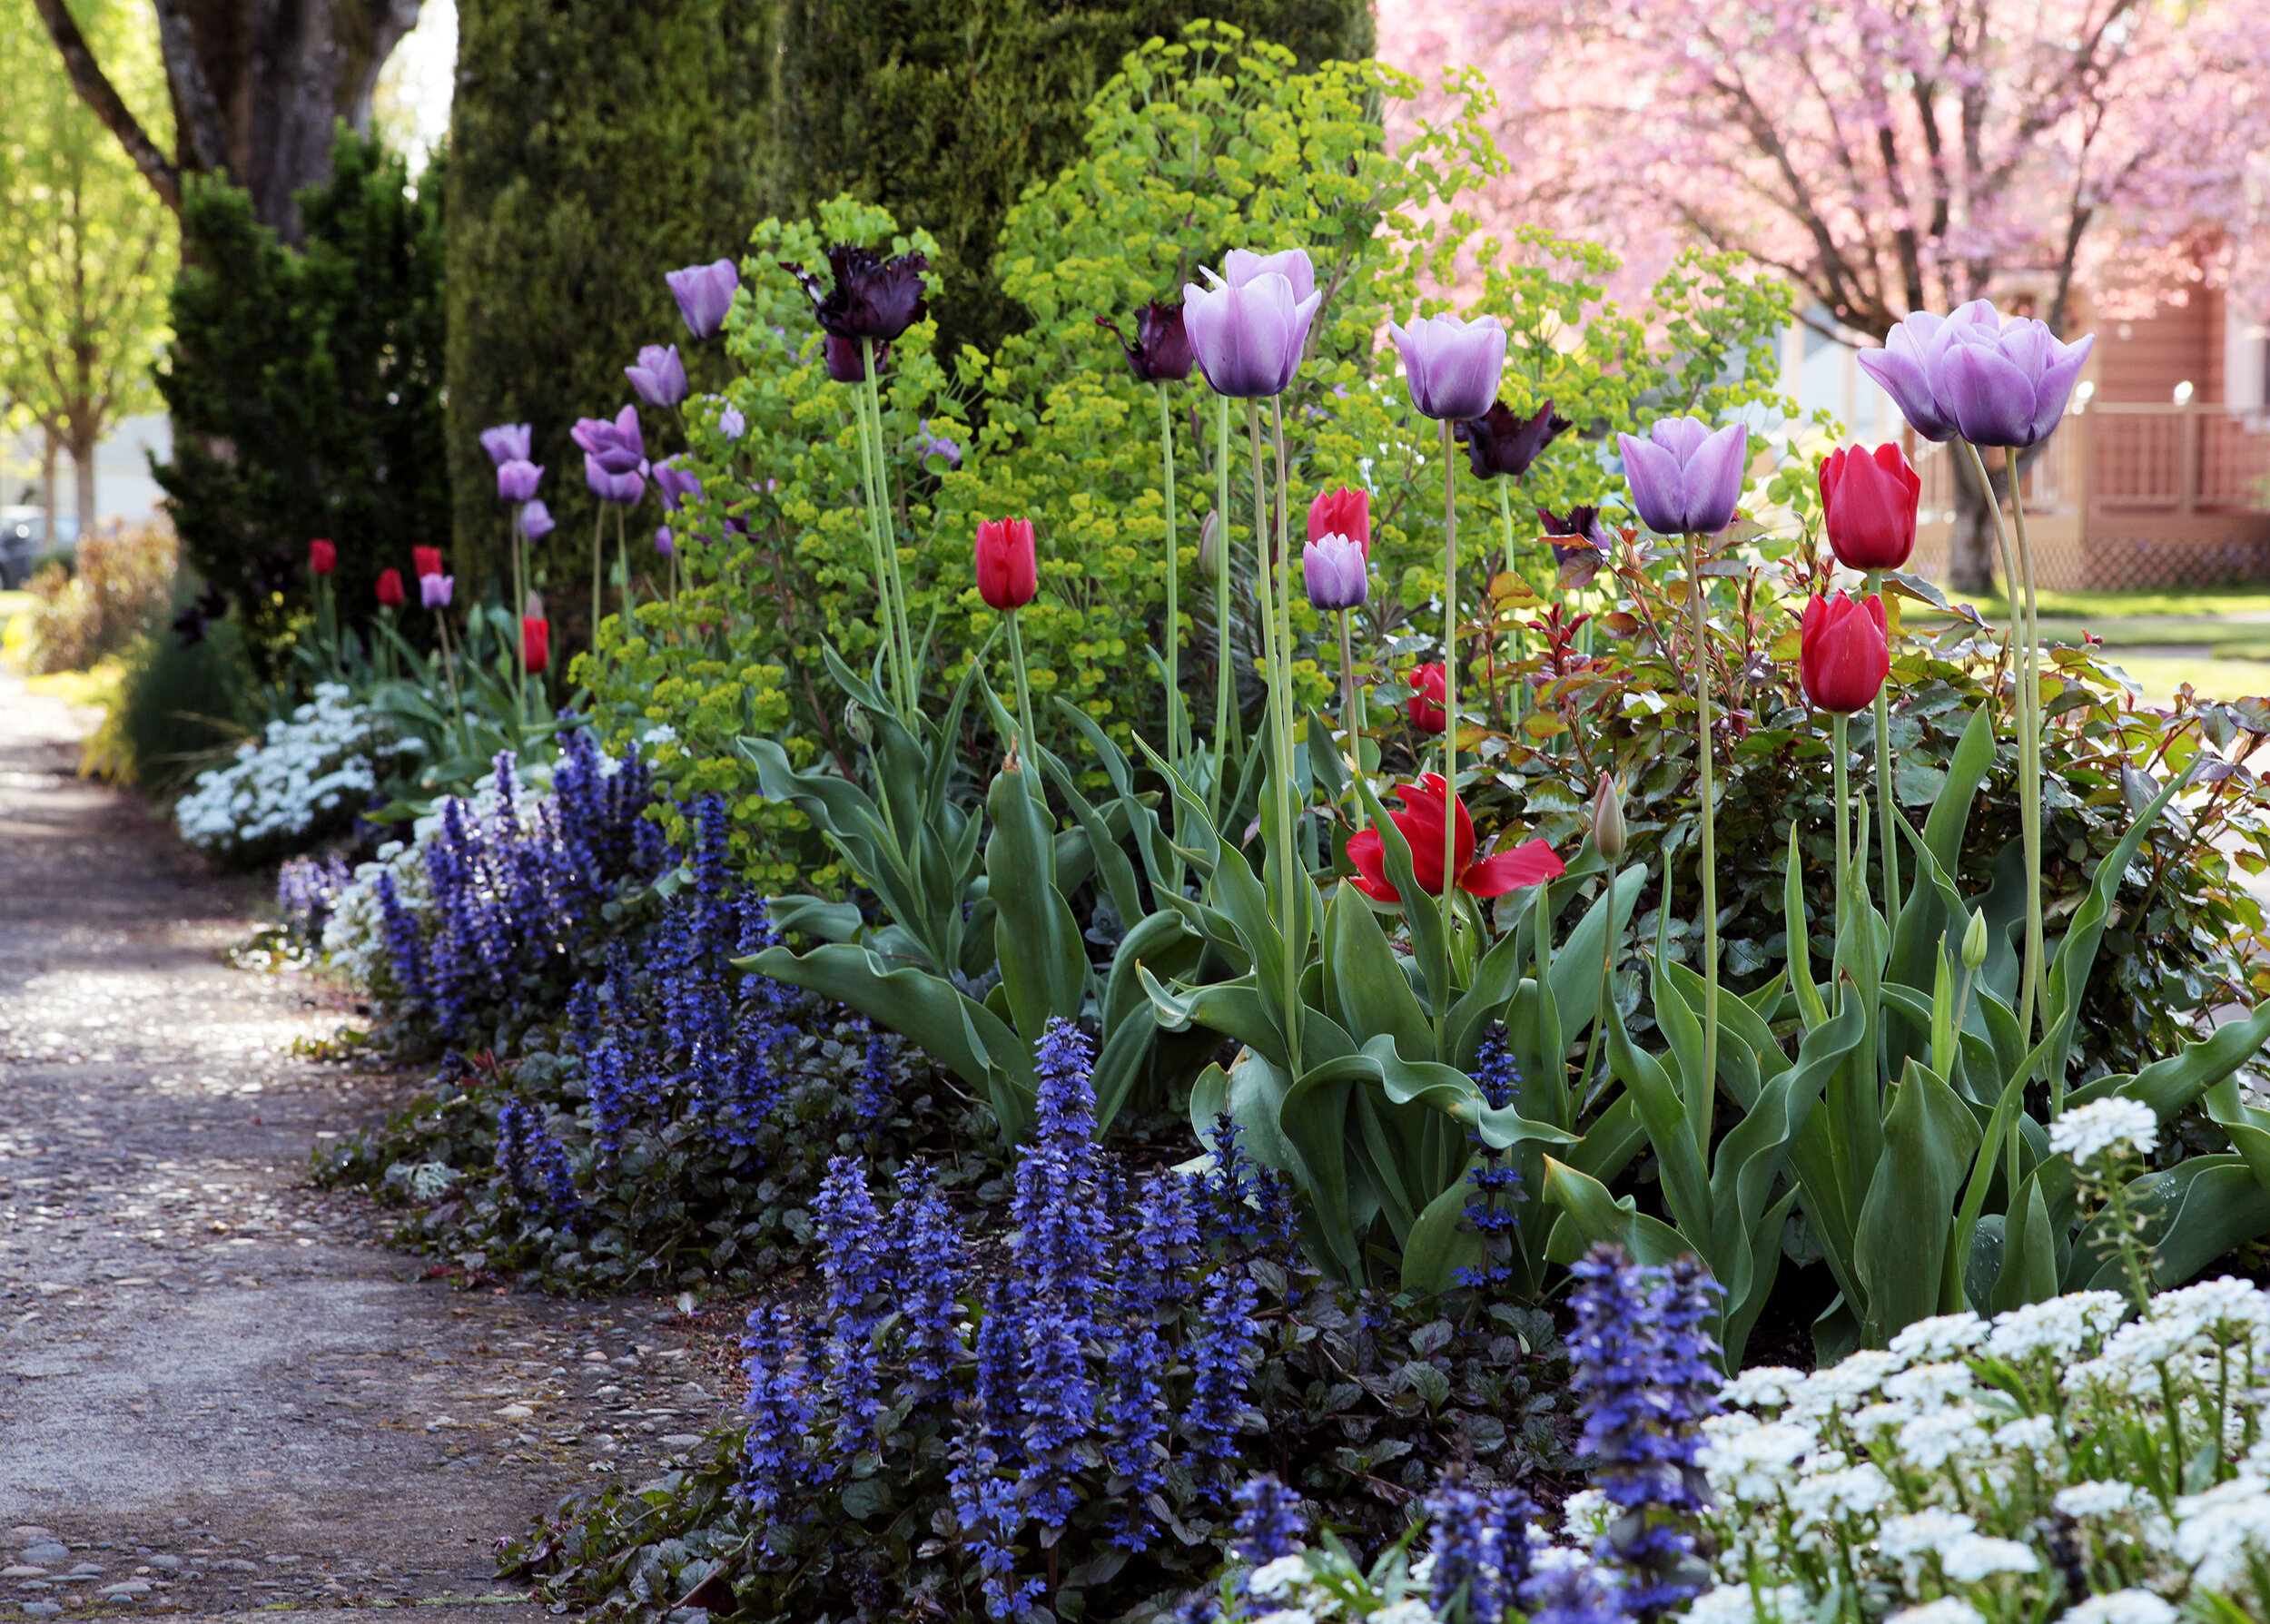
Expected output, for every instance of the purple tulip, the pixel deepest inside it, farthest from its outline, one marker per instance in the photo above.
(1685, 479)
(659, 377)
(434, 590)
(625, 489)
(872, 297)
(1452, 366)
(732, 424)
(928, 445)
(536, 521)
(1249, 331)
(1336, 572)
(506, 442)
(2007, 386)
(845, 360)
(1905, 365)
(662, 541)
(704, 293)
(676, 485)
(619, 445)
(1160, 351)
(517, 480)
(1499, 443)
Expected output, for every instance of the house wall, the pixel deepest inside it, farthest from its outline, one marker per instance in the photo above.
(2144, 359)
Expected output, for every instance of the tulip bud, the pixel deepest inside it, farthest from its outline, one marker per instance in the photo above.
(322, 557)
(427, 561)
(1867, 502)
(1210, 545)
(1843, 657)
(1008, 575)
(1974, 942)
(536, 644)
(856, 722)
(434, 591)
(1607, 819)
(390, 592)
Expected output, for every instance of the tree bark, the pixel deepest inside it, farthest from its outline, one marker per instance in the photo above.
(82, 488)
(50, 447)
(1970, 559)
(257, 85)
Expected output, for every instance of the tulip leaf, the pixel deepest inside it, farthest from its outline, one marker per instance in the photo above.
(1597, 1218)
(1037, 942)
(2171, 1085)
(1363, 984)
(1441, 1243)
(1799, 938)
(2029, 1263)
(1899, 1249)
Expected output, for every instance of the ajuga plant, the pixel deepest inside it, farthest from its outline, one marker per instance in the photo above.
(515, 889)
(673, 1130)
(1060, 1417)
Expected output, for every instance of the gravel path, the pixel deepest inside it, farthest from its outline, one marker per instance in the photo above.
(217, 1394)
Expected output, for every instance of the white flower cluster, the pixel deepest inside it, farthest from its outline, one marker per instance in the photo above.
(308, 773)
(2086, 1132)
(1939, 1471)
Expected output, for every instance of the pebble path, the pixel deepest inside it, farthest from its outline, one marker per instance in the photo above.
(218, 1394)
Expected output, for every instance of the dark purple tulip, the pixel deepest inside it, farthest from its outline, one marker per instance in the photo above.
(872, 296)
(1684, 478)
(619, 445)
(659, 377)
(1587, 537)
(1161, 349)
(506, 442)
(676, 485)
(704, 293)
(1905, 366)
(517, 480)
(1452, 366)
(2007, 386)
(536, 521)
(1499, 443)
(625, 489)
(663, 543)
(844, 360)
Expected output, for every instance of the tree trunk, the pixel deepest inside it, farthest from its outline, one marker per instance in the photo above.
(257, 86)
(50, 447)
(1970, 559)
(83, 488)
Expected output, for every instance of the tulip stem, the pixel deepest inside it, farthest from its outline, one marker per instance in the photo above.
(598, 546)
(1266, 585)
(1350, 714)
(1840, 726)
(1706, 746)
(888, 581)
(1025, 691)
(1506, 518)
(1883, 772)
(2029, 687)
(1174, 594)
(1225, 681)
(518, 608)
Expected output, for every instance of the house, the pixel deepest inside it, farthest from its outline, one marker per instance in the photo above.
(2160, 475)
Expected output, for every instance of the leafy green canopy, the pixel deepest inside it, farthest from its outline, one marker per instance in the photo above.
(1199, 146)
(306, 389)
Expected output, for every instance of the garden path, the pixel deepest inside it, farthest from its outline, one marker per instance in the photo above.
(215, 1390)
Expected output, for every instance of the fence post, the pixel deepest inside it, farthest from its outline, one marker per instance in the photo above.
(2188, 501)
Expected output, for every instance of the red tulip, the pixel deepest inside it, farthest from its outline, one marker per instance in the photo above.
(1007, 573)
(1424, 707)
(426, 561)
(390, 592)
(536, 644)
(1421, 821)
(1844, 655)
(1342, 512)
(1870, 498)
(322, 557)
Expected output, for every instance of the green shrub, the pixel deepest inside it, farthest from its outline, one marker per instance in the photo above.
(305, 388)
(118, 579)
(181, 708)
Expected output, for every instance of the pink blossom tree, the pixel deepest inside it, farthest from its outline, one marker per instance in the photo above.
(1885, 155)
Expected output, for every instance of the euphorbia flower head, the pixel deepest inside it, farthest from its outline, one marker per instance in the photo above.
(676, 485)
(1427, 808)
(1008, 574)
(517, 481)
(704, 293)
(506, 442)
(872, 297)
(1342, 511)
(434, 590)
(1251, 328)
(844, 360)
(1501, 445)
(426, 561)
(625, 490)
(1868, 500)
(1843, 653)
(322, 557)
(1160, 351)
(659, 377)
(1429, 688)
(1686, 478)
(391, 594)
(1452, 366)
(536, 523)
(619, 445)
(1333, 568)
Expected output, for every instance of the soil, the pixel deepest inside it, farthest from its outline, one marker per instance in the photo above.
(219, 1393)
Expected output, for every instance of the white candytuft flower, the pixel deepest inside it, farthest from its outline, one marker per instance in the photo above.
(1275, 1578)
(1947, 1609)
(2122, 1607)
(2086, 1132)
(1975, 1557)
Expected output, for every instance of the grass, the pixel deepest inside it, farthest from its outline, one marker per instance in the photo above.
(2210, 676)
(96, 686)
(2129, 605)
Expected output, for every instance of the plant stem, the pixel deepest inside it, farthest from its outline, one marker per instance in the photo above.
(1840, 727)
(2028, 780)
(518, 608)
(1705, 747)
(2030, 764)
(1174, 593)
(897, 628)
(1450, 739)
(1351, 716)
(1225, 685)
(1278, 614)
(599, 530)
(1024, 691)
(1883, 780)
(1506, 518)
